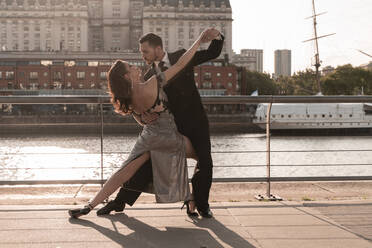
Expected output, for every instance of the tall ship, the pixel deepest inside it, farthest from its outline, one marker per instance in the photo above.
(315, 116)
(335, 116)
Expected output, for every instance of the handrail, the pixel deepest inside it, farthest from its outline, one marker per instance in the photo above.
(89, 99)
(105, 99)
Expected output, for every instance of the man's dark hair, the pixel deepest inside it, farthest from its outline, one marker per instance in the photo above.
(153, 40)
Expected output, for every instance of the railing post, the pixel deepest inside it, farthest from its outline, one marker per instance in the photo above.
(269, 196)
(268, 113)
(101, 111)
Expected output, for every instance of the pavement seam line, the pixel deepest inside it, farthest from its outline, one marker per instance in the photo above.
(243, 229)
(330, 221)
(315, 184)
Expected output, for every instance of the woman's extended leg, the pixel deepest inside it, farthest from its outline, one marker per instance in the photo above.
(118, 178)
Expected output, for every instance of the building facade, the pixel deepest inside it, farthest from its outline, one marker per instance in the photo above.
(88, 71)
(283, 62)
(108, 25)
(36, 26)
(56, 71)
(70, 44)
(251, 59)
(179, 22)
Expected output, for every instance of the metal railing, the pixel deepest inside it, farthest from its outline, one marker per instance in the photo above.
(101, 100)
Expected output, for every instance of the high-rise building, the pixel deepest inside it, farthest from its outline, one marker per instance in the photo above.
(282, 62)
(250, 59)
(179, 22)
(72, 25)
(43, 26)
(108, 25)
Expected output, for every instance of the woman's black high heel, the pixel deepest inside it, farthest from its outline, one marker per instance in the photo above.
(189, 213)
(76, 213)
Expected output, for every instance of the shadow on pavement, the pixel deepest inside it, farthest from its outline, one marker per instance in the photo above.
(144, 235)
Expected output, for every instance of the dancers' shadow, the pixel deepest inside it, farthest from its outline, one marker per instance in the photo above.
(144, 235)
(223, 233)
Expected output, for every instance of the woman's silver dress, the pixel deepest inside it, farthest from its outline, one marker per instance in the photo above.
(168, 152)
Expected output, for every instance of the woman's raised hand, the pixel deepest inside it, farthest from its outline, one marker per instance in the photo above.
(209, 35)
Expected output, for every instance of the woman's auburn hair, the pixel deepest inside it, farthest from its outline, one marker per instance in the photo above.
(120, 88)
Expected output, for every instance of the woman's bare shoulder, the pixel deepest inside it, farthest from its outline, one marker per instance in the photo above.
(147, 97)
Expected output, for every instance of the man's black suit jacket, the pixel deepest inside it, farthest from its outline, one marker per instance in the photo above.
(183, 95)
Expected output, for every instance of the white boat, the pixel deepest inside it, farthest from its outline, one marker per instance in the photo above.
(315, 116)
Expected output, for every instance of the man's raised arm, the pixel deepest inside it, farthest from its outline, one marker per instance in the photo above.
(213, 51)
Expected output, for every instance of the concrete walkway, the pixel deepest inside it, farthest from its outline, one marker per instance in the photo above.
(236, 224)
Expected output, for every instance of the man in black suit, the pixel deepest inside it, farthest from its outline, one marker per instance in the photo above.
(190, 117)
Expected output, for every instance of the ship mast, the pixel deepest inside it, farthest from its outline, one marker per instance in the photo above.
(316, 37)
(365, 53)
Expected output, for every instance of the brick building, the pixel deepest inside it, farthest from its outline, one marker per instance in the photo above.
(216, 79)
(76, 70)
(51, 70)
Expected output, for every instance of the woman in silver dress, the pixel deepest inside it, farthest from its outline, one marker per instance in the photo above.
(159, 140)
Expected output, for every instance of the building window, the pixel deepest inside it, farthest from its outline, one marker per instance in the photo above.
(207, 75)
(81, 86)
(230, 74)
(57, 75)
(80, 75)
(229, 84)
(218, 74)
(207, 85)
(34, 75)
(103, 75)
(92, 74)
(9, 75)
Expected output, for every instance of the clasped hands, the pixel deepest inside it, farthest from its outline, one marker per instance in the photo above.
(209, 35)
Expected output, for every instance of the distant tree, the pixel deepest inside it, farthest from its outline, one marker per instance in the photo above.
(301, 83)
(344, 80)
(261, 82)
(347, 80)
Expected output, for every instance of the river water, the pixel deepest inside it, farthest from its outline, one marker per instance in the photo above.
(70, 157)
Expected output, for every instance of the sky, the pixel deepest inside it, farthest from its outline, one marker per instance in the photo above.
(282, 24)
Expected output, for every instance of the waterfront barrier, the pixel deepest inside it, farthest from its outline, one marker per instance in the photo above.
(241, 100)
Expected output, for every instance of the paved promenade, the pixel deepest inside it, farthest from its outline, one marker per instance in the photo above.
(236, 224)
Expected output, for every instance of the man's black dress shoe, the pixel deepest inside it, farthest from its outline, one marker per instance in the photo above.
(110, 206)
(206, 214)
